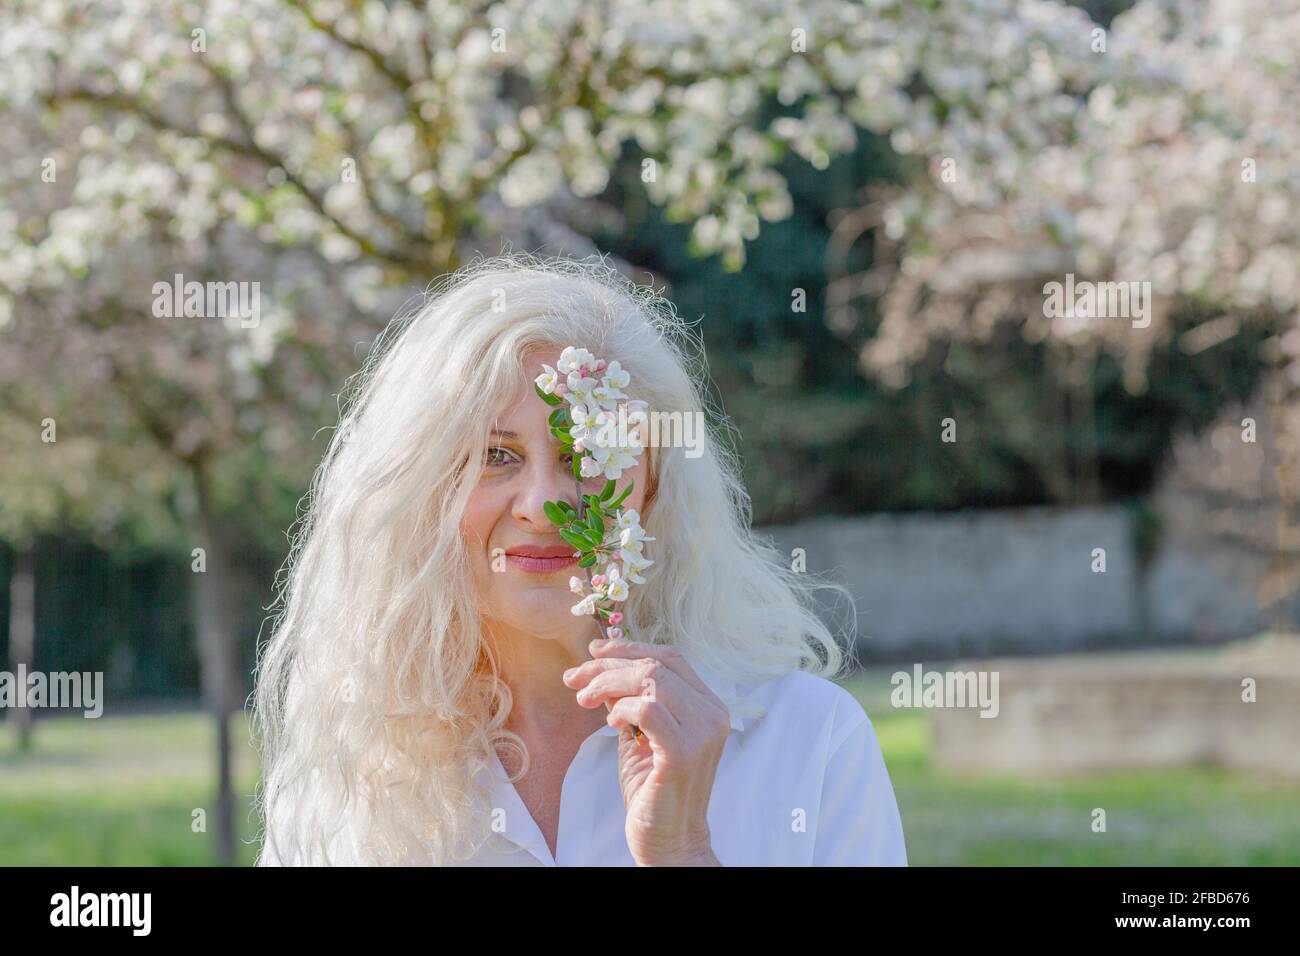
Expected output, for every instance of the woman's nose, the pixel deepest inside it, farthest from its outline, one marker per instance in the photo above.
(543, 480)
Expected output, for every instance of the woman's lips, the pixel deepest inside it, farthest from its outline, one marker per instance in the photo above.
(536, 565)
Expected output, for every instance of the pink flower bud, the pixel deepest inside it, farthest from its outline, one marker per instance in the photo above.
(579, 446)
(616, 617)
(615, 633)
(598, 581)
(601, 365)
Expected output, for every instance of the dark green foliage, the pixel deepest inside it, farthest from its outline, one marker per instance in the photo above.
(816, 437)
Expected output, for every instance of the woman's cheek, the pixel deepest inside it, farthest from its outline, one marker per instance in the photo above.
(636, 500)
(477, 521)
(476, 531)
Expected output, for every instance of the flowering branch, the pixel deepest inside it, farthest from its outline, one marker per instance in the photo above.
(608, 537)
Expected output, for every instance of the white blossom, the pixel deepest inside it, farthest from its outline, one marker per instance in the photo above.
(548, 380)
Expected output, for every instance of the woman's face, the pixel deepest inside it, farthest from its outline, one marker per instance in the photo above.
(521, 565)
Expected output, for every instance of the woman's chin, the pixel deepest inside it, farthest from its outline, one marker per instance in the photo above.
(546, 613)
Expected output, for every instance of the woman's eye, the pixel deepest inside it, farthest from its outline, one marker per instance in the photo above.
(496, 457)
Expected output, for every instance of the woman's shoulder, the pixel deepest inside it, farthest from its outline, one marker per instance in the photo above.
(813, 762)
(803, 705)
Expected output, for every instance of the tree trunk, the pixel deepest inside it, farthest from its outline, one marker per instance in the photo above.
(215, 625)
(22, 632)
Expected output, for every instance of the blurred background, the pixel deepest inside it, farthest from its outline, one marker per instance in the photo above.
(859, 204)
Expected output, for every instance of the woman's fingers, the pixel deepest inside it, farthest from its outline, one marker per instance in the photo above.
(649, 674)
(581, 675)
(694, 716)
(646, 678)
(668, 654)
(652, 716)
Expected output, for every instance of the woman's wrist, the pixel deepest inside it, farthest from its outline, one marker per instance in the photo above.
(698, 852)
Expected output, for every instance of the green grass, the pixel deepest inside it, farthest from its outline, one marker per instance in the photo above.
(120, 791)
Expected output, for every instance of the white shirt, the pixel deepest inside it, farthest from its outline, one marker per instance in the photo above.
(803, 785)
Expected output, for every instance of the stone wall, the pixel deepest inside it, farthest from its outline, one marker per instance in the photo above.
(1236, 708)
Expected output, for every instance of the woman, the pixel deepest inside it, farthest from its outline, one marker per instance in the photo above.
(428, 697)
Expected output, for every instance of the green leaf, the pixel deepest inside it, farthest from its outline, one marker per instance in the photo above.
(562, 435)
(577, 540)
(596, 524)
(560, 418)
(588, 561)
(608, 490)
(566, 508)
(577, 467)
(621, 498)
(548, 399)
(553, 512)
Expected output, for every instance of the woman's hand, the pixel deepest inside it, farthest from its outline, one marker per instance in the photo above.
(668, 777)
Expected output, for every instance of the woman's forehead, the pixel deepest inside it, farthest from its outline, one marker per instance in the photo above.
(518, 411)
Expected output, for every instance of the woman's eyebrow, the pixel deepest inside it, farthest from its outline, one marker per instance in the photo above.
(503, 434)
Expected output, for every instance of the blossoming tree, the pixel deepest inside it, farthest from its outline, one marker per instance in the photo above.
(343, 152)
(1167, 158)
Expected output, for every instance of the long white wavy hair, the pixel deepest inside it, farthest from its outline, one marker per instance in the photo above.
(377, 700)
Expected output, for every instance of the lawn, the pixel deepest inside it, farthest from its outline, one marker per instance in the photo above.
(118, 791)
(121, 791)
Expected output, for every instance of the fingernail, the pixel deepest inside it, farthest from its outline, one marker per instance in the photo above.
(599, 642)
(569, 673)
